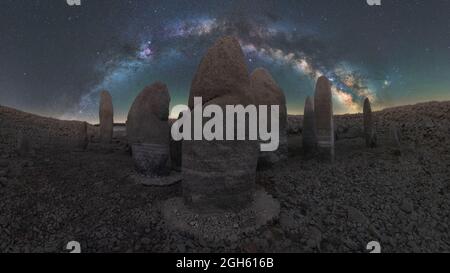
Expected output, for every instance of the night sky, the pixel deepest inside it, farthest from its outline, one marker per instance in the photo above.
(54, 58)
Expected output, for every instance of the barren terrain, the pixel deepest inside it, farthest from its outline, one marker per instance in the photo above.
(399, 196)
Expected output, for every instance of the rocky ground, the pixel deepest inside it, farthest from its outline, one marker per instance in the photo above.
(399, 196)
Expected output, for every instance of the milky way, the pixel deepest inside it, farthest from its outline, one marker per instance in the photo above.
(55, 59)
(349, 88)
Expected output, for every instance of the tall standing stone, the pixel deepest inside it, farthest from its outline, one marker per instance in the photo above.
(23, 145)
(369, 130)
(266, 92)
(323, 112)
(82, 137)
(148, 130)
(394, 139)
(309, 127)
(106, 117)
(220, 174)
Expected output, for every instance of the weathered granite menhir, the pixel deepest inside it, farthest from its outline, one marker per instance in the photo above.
(309, 127)
(394, 140)
(220, 174)
(23, 144)
(82, 138)
(148, 130)
(266, 92)
(369, 129)
(106, 114)
(323, 112)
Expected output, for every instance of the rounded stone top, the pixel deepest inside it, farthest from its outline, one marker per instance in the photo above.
(262, 75)
(323, 86)
(106, 105)
(153, 99)
(323, 105)
(148, 116)
(105, 94)
(222, 75)
(265, 89)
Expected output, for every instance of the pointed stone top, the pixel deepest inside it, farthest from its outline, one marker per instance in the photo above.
(222, 72)
(106, 102)
(227, 42)
(367, 106)
(105, 95)
(153, 99)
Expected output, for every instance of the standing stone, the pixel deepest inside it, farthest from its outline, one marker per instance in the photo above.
(323, 112)
(23, 145)
(148, 130)
(394, 140)
(106, 117)
(220, 174)
(266, 92)
(82, 137)
(309, 127)
(369, 130)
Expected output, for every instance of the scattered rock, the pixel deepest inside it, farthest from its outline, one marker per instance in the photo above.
(357, 216)
(407, 205)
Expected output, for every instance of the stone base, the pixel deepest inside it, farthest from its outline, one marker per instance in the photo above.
(157, 181)
(150, 158)
(220, 226)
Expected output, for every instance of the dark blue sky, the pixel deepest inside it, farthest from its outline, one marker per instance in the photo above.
(54, 59)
